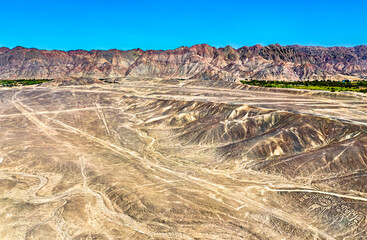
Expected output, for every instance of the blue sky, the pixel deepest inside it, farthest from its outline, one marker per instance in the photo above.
(124, 25)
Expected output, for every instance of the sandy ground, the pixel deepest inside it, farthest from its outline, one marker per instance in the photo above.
(154, 159)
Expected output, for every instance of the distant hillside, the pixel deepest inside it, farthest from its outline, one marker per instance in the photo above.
(273, 62)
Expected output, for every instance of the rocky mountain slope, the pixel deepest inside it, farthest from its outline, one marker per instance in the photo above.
(273, 62)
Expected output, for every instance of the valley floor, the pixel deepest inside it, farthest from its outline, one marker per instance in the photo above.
(171, 159)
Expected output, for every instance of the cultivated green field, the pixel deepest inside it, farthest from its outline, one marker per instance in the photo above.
(333, 86)
(22, 82)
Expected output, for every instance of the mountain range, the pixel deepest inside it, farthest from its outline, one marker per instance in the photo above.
(272, 62)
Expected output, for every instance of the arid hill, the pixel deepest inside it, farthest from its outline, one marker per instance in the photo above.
(273, 62)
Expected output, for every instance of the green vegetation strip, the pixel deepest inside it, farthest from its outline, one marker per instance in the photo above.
(22, 82)
(333, 86)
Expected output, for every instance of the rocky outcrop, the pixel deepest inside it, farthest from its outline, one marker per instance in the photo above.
(273, 62)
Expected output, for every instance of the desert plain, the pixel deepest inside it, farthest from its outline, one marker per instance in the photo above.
(136, 158)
